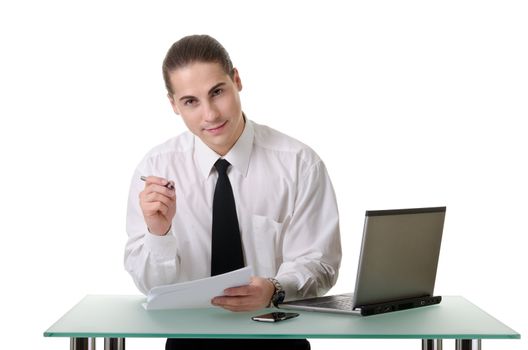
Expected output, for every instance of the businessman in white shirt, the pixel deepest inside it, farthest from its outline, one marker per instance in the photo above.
(285, 213)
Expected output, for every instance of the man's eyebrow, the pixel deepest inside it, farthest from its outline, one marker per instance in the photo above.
(210, 91)
(186, 97)
(216, 87)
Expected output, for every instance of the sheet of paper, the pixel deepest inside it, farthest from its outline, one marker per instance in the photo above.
(196, 294)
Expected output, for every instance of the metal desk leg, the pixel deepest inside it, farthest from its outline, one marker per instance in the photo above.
(468, 344)
(82, 343)
(431, 344)
(114, 344)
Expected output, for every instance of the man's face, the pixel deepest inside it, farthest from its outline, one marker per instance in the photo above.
(208, 101)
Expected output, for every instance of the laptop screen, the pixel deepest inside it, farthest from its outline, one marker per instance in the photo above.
(399, 254)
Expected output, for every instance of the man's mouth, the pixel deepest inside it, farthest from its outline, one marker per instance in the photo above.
(216, 128)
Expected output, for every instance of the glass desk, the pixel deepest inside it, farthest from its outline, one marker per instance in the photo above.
(116, 317)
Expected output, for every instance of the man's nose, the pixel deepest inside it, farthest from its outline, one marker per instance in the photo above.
(211, 112)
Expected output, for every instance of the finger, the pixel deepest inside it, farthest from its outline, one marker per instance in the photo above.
(151, 206)
(158, 197)
(234, 301)
(155, 208)
(158, 181)
(150, 197)
(240, 309)
(240, 291)
(239, 305)
(160, 189)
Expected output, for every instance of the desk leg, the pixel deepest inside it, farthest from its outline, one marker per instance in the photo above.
(114, 344)
(82, 343)
(468, 344)
(431, 344)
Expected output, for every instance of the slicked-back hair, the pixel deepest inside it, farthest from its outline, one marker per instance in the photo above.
(195, 48)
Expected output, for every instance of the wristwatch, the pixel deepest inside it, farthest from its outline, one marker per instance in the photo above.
(278, 295)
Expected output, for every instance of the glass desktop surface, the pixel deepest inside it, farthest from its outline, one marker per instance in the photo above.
(122, 316)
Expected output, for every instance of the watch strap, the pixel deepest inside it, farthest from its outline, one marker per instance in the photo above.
(279, 293)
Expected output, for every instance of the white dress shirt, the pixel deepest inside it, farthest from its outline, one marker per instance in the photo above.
(285, 203)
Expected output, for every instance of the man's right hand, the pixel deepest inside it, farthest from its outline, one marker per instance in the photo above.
(158, 204)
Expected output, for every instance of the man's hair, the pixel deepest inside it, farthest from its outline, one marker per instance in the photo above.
(195, 48)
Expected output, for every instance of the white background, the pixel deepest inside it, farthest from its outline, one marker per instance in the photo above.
(410, 103)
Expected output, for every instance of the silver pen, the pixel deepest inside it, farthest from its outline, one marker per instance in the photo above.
(169, 184)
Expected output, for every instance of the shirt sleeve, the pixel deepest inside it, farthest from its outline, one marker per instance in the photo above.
(312, 244)
(151, 260)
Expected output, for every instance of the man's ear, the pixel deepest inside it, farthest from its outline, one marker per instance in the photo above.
(173, 104)
(236, 79)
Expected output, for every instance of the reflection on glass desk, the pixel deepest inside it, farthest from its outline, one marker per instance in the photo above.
(115, 317)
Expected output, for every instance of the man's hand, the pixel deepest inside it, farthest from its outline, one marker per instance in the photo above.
(254, 296)
(158, 204)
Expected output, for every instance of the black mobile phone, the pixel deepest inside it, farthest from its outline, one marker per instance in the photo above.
(275, 316)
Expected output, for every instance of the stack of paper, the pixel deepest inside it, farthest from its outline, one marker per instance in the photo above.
(196, 294)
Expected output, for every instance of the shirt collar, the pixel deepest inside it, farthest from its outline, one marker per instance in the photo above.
(238, 155)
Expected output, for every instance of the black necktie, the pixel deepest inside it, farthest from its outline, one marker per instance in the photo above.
(226, 247)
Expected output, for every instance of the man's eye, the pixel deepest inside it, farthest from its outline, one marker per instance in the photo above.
(189, 102)
(217, 92)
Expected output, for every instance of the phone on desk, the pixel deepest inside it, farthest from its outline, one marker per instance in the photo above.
(275, 316)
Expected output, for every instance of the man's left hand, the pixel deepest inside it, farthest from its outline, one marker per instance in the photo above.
(254, 296)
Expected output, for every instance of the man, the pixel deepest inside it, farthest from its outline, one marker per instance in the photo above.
(228, 194)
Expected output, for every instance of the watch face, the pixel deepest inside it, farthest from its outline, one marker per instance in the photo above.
(278, 298)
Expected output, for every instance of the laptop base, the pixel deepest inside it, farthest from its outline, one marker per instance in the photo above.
(338, 304)
(398, 305)
(342, 304)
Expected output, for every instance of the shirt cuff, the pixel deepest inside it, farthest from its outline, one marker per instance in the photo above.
(290, 285)
(161, 246)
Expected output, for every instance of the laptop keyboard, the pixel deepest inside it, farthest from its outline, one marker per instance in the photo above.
(338, 302)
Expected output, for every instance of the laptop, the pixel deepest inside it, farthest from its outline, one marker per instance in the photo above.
(397, 265)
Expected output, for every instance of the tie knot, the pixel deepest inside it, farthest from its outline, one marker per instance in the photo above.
(221, 166)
